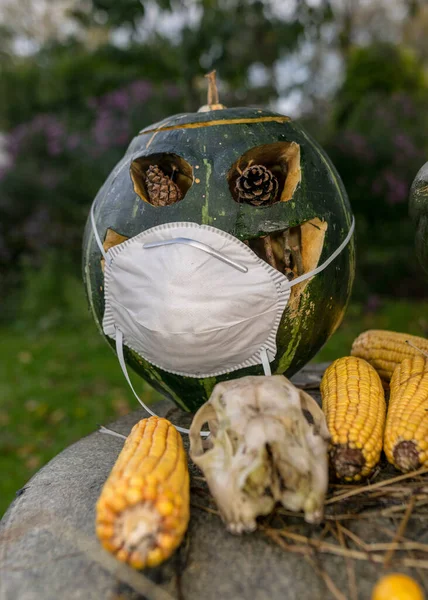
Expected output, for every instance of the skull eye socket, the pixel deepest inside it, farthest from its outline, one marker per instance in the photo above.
(266, 174)
(161, 179)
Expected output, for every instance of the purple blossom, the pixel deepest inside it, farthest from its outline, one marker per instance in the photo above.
(41, 158)
(356, 144)
(396, 190)
(373, 303)
(111, 127)
(123, 135)
(48, 127)
(54, 147)
(383, 114)
(118, 99)
(123, 99)
(377, 186)
(74, 140)
(406, 104)
(46, 136)
(35, 227)
(172, 90)
(15, 139)
(5, 253)
(404, 144)
(50, 179)
(391, 186)
(380, 112)
(141, 90)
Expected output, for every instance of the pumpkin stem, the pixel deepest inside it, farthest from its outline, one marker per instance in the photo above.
(213, 101)
(212, 88)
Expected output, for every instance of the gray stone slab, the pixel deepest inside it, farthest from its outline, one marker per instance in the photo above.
(49, 551)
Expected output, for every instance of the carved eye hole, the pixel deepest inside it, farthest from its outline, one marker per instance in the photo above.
(161, 179)
(266, 174)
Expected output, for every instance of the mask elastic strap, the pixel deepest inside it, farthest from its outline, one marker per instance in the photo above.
(329, 260)
(96, 234)
(120, 356)
(265, 362)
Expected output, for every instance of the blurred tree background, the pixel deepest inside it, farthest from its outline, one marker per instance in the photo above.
(78, 78)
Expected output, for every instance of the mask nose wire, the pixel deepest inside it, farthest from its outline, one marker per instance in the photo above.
(120, 356)
(201, 246)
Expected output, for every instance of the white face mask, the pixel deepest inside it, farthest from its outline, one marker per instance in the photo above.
(193, 300)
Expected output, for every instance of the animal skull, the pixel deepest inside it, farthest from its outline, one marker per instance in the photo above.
(268, 443)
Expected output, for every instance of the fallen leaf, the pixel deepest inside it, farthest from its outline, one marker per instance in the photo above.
(33, 462)
(80, 412)
(42, 409)
(31, 405)
(25, 357)
(4, 418)
(121, 406)
(26, 450)
(57, 415)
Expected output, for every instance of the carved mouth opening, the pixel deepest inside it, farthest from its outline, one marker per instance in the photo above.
(292, 251)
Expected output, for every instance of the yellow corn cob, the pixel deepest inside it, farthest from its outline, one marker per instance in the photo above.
(353, 401)
(406, 431)
(384, 350)
(143, 510)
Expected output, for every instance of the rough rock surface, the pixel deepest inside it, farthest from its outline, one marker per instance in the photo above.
(48, 549)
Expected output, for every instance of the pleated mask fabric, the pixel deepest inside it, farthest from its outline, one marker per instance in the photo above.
(193, 300)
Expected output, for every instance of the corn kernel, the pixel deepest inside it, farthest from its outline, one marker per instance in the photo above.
(166, 541)
(136, 561)
(122, 555)
(164, 507)
(155, 557)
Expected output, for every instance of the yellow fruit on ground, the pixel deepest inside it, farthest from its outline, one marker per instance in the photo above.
(397, 586)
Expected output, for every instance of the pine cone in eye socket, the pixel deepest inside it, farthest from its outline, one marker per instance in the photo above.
(257, 186)
(162, 190)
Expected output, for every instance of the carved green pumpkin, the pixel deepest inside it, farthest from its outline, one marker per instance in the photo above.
(419, 214)
(205, 153)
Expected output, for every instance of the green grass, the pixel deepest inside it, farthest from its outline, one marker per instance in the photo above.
(396, 315)
(57, 383)
(55, 387)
